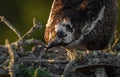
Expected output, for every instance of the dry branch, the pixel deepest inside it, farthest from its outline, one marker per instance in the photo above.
(36, 25)
(4, 20)
(11, 60)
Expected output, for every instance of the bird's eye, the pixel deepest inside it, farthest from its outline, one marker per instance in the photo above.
(63, 24)
(68, 26)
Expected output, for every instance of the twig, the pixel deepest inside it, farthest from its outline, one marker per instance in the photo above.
(29, 41)
(36, 25)
(4, 20)
(44, 61)
(22, 39)
(4, 63)
(116, 40)
(12, 59)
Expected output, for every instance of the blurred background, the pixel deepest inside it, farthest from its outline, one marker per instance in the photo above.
(20, 13)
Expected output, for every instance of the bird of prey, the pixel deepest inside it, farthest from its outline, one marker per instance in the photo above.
(81, 24)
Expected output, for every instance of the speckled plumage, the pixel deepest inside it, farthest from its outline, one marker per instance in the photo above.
(84, 24)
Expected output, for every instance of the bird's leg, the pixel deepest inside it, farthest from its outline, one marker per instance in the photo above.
(73, 55)
(68, 67)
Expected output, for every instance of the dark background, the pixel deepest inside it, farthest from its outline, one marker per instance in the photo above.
(21, 12)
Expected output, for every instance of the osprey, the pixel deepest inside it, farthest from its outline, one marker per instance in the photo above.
(81, 24)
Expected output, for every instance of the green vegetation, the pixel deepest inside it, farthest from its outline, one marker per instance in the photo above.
(32, 72)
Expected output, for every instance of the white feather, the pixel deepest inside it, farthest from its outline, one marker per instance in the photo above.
(69, 35)
(90, 26)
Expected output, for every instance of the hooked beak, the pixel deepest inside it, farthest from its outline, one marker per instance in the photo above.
(53, 43)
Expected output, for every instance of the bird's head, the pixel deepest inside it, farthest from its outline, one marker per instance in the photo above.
(62, 25)
(62, 34)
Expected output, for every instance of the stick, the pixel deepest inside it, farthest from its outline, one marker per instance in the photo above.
(4, 20)
(12, 59)
(36, 25)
